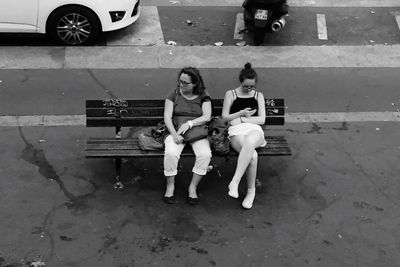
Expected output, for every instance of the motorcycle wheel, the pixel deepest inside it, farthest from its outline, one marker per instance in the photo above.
(259, 35)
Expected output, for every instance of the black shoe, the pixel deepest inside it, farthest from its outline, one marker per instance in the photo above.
(169, 200)
(192, 201)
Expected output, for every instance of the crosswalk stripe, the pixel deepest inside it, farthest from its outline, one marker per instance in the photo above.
(239, 25)
(398, 21)
(165, 56)
(294, 3)
(321, 27)
(313, 117)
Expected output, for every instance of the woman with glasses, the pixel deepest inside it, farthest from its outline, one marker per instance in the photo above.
(244, 107)
(188, 100)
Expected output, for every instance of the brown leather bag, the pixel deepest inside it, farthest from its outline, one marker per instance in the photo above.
(193, 134)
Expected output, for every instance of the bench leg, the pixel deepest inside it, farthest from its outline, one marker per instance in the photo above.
(118, 184)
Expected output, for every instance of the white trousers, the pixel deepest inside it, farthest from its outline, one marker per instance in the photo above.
(172, 153)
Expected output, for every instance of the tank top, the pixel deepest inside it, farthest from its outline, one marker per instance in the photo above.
(240, 103)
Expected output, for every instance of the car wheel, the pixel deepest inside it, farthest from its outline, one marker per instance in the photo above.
(74, 26)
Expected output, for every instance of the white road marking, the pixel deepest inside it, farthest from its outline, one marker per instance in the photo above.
(146, 31)
(239, 25)
(321, 26)
(314, 117)
(43, 120)
(398, 21)
(342, 117)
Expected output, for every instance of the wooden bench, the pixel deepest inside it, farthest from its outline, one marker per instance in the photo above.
(139, 113)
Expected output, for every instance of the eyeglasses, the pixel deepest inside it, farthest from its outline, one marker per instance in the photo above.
(184, 82)
(249, 86)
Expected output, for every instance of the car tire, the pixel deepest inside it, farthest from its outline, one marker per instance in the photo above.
(74, 26)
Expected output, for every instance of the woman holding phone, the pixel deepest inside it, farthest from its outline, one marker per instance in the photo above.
(244, 107)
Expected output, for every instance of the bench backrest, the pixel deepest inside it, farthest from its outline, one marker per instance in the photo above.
(129, 113)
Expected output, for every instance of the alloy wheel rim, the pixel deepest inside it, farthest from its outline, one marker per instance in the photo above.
(74, 29)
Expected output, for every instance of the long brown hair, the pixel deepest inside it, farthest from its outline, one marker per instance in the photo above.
(196, 79)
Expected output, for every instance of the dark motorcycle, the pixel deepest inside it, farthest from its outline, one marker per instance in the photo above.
(261, 16)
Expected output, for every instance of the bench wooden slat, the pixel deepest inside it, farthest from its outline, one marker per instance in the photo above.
(144, 154)
(103, 147)
(274, 120)
(157, 111)
(125, 113)
(124, 146)
(269, 111)
(283, 151)
(135, 141)
(121, 103)
(269, 102)
(152, 121)
(123, 122)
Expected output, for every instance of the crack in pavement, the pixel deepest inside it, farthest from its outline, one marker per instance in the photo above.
(365, 173)
(38, 158)
(108, 92)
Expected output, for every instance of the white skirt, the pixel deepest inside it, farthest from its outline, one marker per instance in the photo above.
(244, 129)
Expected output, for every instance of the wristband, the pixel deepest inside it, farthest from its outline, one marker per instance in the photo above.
(190, 124)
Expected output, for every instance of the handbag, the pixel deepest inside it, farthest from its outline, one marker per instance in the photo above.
(147, 142)
(151, 138)
(218, 136)
(160, 132)
(193, 134)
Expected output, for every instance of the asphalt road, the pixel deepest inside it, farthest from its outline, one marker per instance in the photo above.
(63, 92)
(208, 25)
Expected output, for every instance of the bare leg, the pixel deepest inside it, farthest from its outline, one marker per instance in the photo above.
(193, 185)
(251, 174)
(236, 143)
(248, 200)
(248, 145)
(169, 192)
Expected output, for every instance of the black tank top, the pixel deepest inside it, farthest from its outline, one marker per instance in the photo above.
(240, 103)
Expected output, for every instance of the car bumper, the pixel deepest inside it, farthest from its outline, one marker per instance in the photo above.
(130, 16)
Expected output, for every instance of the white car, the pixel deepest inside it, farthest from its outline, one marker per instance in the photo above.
(68, 22)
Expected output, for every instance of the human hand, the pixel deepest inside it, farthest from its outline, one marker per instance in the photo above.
(247, 112)
(178, 139)
(184, 127)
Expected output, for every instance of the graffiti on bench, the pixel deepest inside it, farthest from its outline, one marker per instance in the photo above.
(273, 111)
(116, 107)
(115, 103)
(270, 103)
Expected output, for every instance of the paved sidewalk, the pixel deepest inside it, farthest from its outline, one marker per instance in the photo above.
(335, 202)
(165, 56)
